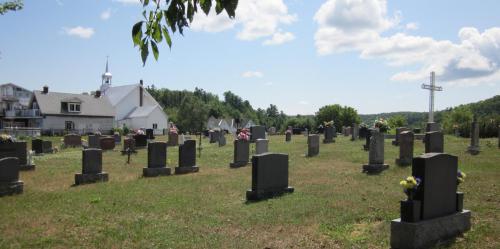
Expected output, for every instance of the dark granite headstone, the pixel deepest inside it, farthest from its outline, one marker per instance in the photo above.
(261, 146)
(18, 150)
(9, 177)
(329, 133)
(157, 160)
(141, 140)
(473, 149)
(37, 146)
(257, 132)
(241, 153)
(72, 140)
(94, 141)
(395, 142)
(288, 136)
(173, 139)
(312, 145)
(47, 147)
(187, 158)
(107, 143)
(434, 142)
(354, 131)
(91, 168)
(222, 140)
(416, 130)
(431, 126)
(269, 176)
(214, 136)
(366, 146)
(363, 132)
(376, 156)
(405, 141)
(128, 143)
(150, 134)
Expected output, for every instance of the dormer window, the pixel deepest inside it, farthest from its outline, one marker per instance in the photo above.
(74, 107)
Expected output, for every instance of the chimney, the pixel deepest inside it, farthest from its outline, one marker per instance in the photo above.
(141, 93)
(45, 89)
(97, 94)
(141, 82)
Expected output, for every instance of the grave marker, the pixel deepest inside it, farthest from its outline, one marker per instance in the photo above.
(261, 146)
(434, 142)
(257, 132)
(329, 133)
(157, 160)
(354, 132)
(395, 142)
(91, 168)
(473, 149)
(312, 145)
(241, 153)
(19, 151)
(72, 140)
(94, 141)
(376, 156)
(405, 141)
(187, 158)
(9, 177)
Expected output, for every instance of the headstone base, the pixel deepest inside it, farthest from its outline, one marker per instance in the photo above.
(473, 150)
(11, 188)
(426, 233)
(152, 172)
(255, 196)
(238, 164)
(372, 169)
(26, 167)
(90, 178)
(185, 170)
(403, 162)
(328, 141)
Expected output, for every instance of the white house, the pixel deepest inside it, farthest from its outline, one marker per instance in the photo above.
(134, 106)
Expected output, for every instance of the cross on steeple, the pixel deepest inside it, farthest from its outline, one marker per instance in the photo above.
(432, 87)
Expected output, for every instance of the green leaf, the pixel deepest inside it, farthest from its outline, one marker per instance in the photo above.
(206, 5)
(230, 6)
(167, 36)
(157, 33)
(137, 33)
(144, 51)
(190, 11)
(156, 53)
(218, 7)
(145, 3)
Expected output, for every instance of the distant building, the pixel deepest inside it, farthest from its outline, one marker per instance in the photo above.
(134, 107)
(14, 107)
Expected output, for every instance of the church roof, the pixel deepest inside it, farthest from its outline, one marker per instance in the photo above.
(142, 111)
(50, 103)
(116, 93)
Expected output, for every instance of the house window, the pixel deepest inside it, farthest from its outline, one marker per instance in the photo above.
(155, 126)
(74, 107)
(69, 125)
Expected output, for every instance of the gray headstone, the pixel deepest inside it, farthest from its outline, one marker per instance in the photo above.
(128, 143)
(354, 131)
(92, 161)
(214, 136)
(18, 150)
(222, 140)
(261, 146)
(434, 142)
(9, 177)
(406, 142)
(257, 132)
(73, 140)
(438, 189)
(173, 139)
(187, 154)
(432, 127)
(107, 143)
(94, 141)
(376, 155)
(269, 176)
(398, 132)
(141, 140)
(288, 136)
(474, 139)
(329, 133)
(312, 145)
(157, 155)
(241, 153)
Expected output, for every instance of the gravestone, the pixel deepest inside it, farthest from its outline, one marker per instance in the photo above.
(214, 136)
(72, 140)
(417, 130)
(182, 138)
(363, 132)
(150, 134)
(261, 146)
(157, 160)
(406, 139)
(94, 141)
(269, 176)
(241, 153)
(257, 132)
(118, 138)
(395, 142)
(288, 137)
(354, 132)
(9, 177)
(41, 147)
(107, 143)
(222, 140)
(91, 168)
(473, 149)
(272, 130)
(329, 133)
(366, 146)
(173, 139)
(434, 142)
(18, 150)
(187, 158)
(312, 145)
(432, 126)
(435, 214)
(128, 143)
(376, 156)
(141, 140)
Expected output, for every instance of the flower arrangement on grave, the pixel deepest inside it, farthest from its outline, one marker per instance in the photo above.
(329, 123)
(173, 129)
(381, 124)
(140, 132)
(244, 134)
(410, 186)
(363, 125)
(460, 177)
(4, 138)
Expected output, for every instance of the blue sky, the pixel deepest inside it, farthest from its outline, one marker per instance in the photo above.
(372, 55)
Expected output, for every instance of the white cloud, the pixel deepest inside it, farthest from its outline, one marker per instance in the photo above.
(411, 26)
(128, 1)
(279, 38)
(303, 102)
(252, 74)
(105, 15)
(359, 25)
(257, 19)
(80, 31)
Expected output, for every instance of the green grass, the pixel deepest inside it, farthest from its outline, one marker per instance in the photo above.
(334, 204)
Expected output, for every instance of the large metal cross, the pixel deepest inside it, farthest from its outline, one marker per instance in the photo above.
(432, 87)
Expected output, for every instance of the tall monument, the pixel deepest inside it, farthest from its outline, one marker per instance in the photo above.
(431, 125)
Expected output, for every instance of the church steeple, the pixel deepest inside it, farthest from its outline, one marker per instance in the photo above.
(106, 78)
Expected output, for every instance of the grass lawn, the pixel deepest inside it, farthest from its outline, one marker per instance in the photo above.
(334, 205)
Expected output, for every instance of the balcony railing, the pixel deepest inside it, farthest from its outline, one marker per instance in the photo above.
(22, 113)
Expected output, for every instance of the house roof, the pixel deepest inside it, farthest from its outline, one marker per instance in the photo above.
(50, 103)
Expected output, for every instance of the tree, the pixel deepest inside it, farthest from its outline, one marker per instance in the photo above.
(161, 20)
(349, 116)
(328, 113)
(11, 6)
(192, 114)
(397, 121)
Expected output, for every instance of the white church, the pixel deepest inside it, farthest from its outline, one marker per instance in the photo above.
(134, 107)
